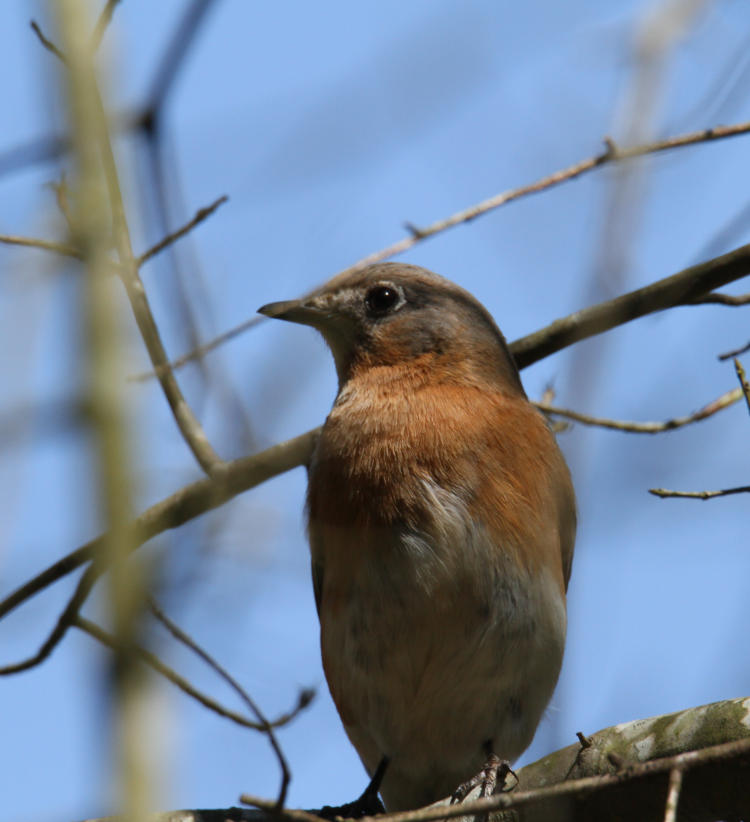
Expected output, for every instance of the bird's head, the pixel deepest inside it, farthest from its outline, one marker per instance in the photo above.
(391, 314)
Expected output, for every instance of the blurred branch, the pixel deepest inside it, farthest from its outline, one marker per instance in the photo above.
(96, 200)
(724, 401)
(187, 423)
(102, 23)
(50, 147)
(44, 245)
(200, 215)
(47, 43)
(169, 67)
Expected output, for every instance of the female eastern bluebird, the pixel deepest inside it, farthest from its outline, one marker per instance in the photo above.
(441, 519)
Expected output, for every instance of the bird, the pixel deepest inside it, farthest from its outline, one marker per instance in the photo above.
(441, 519)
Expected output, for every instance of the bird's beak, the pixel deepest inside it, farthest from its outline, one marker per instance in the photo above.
(294, 311)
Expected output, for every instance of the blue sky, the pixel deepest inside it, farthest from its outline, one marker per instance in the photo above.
(329, 126)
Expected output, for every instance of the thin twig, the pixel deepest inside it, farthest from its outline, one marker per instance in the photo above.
(48, 44)
(64, 621)
(743, 381)
(724, 401)
(264, 725)
(200, 216)
(673, 795)
(202, 350)
(665, 493)
(168, 673)
(102, 23)
(44, 245)
(721, 299)
(736, 353)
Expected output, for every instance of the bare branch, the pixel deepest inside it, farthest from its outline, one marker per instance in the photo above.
(48, 44)
(666, 293)
(102, 23)
(264, 725)
(173, 56)
(83, 589)
(664, 493)
(200, 215)
(743, 381)
(724, 401)
(202, 350)
(44, 245)
(721, 299)
(736, 353)
(160, 667)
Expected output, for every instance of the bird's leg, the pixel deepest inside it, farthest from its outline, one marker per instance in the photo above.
(494, 771)
(368, 804)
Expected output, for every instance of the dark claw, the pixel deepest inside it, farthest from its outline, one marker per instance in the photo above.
(368, 804)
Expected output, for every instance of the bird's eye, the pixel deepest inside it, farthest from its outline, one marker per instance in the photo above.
(380, 299)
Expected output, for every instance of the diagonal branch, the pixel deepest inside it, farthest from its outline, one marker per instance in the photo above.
(671, 291)
(168, 673)
(713, 407)
(263, 724)
(200, 215)
(105, 18)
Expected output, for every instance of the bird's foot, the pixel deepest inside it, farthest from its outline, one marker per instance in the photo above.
(493, 773)
(368, 804)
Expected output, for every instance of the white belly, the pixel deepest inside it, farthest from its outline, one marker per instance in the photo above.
(439, 646)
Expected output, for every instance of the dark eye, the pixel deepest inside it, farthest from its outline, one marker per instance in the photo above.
(380, 299)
